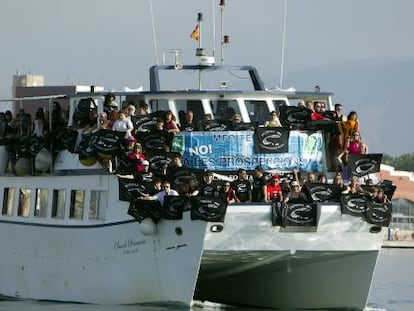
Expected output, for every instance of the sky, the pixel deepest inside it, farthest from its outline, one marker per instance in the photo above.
(112, 43)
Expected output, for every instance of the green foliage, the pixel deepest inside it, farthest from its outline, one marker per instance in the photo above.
(404, 162)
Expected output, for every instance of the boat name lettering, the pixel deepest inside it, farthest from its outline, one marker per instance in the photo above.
(127, 243)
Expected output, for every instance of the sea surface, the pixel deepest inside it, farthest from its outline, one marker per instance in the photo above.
(392, 290)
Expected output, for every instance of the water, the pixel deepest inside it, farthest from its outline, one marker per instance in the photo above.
(393, 285)
(392, 290)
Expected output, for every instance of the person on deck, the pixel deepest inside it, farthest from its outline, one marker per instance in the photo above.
(189, 124)
(295, 195)
(259, 192)
(166, 186)
(227, 193)
(349, 126)
(355, 145)
(242, 187)
(273, 121)
(137, 157)
(170, 123)
(208, 187)
(274, 190)
(123, 124)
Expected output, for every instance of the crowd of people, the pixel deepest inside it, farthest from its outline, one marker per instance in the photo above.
(260, 187)
(263, 187)
(257, 187)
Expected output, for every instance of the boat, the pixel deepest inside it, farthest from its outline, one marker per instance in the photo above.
(68, 237)
(257, 257)
(77, 232)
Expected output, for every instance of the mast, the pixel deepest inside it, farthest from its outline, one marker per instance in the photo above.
(224, 39)
(200, 50)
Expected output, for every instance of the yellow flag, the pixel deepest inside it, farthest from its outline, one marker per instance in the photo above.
(196, 33)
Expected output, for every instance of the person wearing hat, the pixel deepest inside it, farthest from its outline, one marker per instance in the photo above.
(146, 177)
(130, 144)
(295, 195)
(274, 190)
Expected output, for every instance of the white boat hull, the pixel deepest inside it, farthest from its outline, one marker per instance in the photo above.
(115, 261)
(259, 265)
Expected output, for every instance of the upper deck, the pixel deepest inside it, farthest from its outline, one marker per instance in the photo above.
(220, 92)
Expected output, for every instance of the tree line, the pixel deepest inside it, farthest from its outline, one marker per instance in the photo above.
(403, 162)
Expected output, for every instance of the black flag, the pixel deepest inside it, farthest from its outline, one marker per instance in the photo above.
(174, 206)
(294, 117)
(129, 189)
(271, 140)
(208, 208)
(147, 122)
(378, 213)
(108, 143)
(300, 214)
(353, 204)
(141, 209)
(364, 164)
(320, 192)
(388, 188)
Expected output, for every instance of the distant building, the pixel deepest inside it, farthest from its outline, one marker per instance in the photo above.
(403, 198)
(33, 85)
(27, 80)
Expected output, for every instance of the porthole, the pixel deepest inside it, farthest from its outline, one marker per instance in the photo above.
(216, 228)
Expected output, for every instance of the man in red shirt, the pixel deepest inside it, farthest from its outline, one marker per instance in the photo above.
(274, 190)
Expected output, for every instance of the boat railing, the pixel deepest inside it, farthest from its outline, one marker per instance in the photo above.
(155, 71)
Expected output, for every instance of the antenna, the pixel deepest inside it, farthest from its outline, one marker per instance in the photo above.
(214, 29)
(153, 33)
(282, 62)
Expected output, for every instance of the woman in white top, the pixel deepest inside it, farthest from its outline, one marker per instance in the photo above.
(123, 124)
(274, 120)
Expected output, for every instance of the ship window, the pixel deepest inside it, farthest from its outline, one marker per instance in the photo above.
(97, 205)
(224, 109)
(158, 104)
(24, 202)
(278, 103)
(58, 203)
(195, 106)
(77, 200)
(41, 203)
(258, 111)
(8, 201)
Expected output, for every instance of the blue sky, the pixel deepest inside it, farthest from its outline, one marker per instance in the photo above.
(111, 42)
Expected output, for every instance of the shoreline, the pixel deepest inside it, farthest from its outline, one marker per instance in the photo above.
(398, 244)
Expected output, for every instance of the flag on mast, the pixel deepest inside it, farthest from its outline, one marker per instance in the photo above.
(196, 33)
